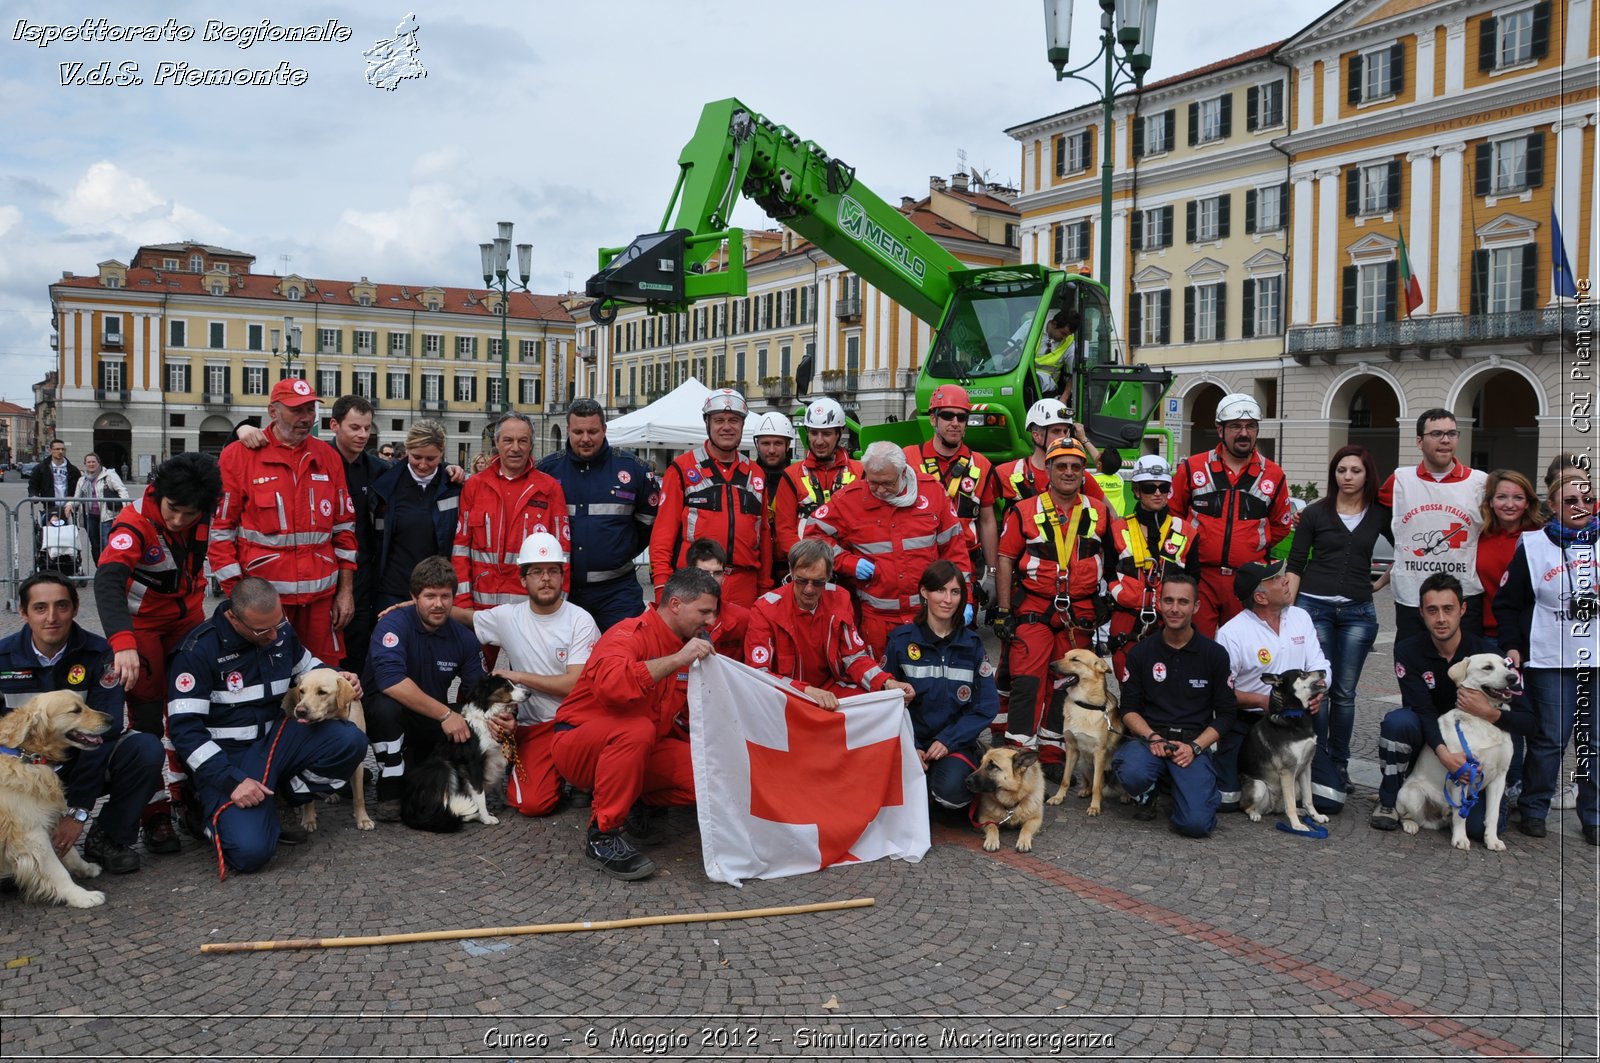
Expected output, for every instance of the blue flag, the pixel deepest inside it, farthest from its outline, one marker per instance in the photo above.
(1561, 279)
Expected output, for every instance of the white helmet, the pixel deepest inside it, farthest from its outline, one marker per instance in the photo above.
(1047, 412)
(541, 548)
(1238, 407)
(724, 399)
(773, 424)
(1151, 468)
(824, 413)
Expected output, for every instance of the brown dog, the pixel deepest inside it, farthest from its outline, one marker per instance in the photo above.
(47, 728)
(318, 695)
(1010, 788)
(1091, 723)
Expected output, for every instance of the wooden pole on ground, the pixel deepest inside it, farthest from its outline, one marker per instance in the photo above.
(536, 928)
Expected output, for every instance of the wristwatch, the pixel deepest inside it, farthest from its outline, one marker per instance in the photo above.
(79, 814)
(1196, 747)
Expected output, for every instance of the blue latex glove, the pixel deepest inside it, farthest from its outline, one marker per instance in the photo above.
(968, 615)
(865, 569)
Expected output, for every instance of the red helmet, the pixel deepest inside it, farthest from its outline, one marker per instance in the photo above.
(949, 397)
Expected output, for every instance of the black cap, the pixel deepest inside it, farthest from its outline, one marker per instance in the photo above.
(1252, 575)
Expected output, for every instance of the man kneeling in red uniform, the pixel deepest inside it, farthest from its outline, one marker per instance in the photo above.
(613, 732)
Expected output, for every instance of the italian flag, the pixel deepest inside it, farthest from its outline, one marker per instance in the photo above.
(1410, 288)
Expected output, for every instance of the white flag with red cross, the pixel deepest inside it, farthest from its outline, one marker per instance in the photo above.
(783, 786)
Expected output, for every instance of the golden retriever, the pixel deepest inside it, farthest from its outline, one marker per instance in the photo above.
(1010, 788)
(322, 694)
(1091, 723)
(49, 727)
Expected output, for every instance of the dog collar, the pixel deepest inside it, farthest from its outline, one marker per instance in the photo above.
(23, 755)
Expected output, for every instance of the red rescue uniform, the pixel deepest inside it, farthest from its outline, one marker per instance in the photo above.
(901, 542)
(1158, 543)
(703, 498)
(613, 733)
(1019, 479)
(1240, 518)
(285, 515)
(804, 486)
(821, 648)
(968, 481)
(497, 512)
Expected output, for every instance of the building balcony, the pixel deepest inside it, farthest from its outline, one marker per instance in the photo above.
(847, 309)
(217, 398)
(1449, 332)
(586, 351)
(496, 407)
(117, 395)
(432, 405)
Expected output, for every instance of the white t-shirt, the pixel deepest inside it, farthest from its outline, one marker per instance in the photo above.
(537, 643)
(1254, 649)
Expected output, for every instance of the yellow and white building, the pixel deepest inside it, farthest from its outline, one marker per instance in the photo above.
(1258, 208)
(171, 351)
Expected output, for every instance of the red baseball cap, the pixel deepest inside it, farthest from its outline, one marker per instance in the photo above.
(292, 392)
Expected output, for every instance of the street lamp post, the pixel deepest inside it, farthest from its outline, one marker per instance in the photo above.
(496, 275)
(291, 344)
(1133, 27)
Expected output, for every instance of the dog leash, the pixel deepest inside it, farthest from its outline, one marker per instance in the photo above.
(216, 830)
(24, 756)
(1469, 776)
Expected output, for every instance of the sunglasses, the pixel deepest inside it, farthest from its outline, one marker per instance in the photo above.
(952, 415)
(1153, 489)
(1584, 501)
(814, 584)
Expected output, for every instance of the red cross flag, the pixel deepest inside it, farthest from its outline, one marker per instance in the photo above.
(784, 786)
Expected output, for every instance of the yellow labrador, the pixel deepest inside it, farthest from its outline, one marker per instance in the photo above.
(321, 694)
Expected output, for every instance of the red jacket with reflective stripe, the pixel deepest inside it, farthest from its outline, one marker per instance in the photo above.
(163, 590)
(496, 514)
(900, 542)
(968, 481)
(804, 486)
(1240, 517)
(615, 683)
(820, 649)
(1029, 539)
(285, 516)
(701, 501)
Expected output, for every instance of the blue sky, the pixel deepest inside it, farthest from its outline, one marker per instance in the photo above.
(564, 118)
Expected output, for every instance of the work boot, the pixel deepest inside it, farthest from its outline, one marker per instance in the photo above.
(290, 832)
(1591, 833)
(1533, 828)
(1144, 806)
(387, 810)
(159, 837)
(1384, 818)
(100, 848)
(646, 826)
(615, 856)
(194, 821)
(577, 798)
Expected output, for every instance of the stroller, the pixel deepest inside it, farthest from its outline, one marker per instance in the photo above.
(58, 547)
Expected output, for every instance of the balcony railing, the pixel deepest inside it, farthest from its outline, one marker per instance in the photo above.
(432, 405)
(1437, 331)
(848, 309)
(496, 406)
(111, 395)
(217, 398)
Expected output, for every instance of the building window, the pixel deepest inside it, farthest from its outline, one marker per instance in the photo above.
(1152, 229)
(761, 363)
(1263, 306)
(527, 384)
(466, 387)
(177, 333)
(365, 383)
(365, 300)
(400, 344)
(399, 384)
(365, 342)
(111, 375)
(255, 380)
(293, 294)
(327, 381)
(1510, 166)
(1515, 37)
(219, 288)
(1264, 208)
(1152, 134)
(1265, 106)
(1208, 219)
(1152, 313)
(1210, 120)
(216, 379)
(254, 337)
(330, 340)
(1204, 310)
(218, 332)
(852, 354)
(1376, 74)
(1073, 153)
(178, 377)
(116, 282)
(432, 387)
(169, 263)
(197, 263)
(432, 346)
(466, 347)
(1072, 241)
(494, 390)
(1371, 293)
(1372, 189)
(525, 350)
(1505, 280)
(293, 372)
(111, 331)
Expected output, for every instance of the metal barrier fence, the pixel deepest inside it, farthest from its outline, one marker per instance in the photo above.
(40, 536)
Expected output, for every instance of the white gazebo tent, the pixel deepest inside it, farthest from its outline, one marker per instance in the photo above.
(672, 422)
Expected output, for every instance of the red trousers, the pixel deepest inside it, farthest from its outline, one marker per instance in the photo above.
(147, 711)
(1125, 623)
(313, 623)
(1218, 604)
(1032, 651)
(533, 787)
(875, 628)
(620, 760)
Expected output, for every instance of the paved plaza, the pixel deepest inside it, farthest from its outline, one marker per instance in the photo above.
(1113, 939)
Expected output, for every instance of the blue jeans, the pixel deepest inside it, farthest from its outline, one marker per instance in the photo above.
(1346, 633)
(1557, 697)
(1195, 798)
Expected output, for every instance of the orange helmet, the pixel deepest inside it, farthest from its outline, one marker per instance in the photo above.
(949, 397)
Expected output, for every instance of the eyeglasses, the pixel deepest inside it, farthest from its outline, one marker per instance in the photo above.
(1585, 501)
(263, 632)
(814, 584)
(1438, 434)
(952, 415)
(1153, 489)
(715, 573)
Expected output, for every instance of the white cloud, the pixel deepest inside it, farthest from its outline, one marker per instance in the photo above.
(9, 217)
(108, 199)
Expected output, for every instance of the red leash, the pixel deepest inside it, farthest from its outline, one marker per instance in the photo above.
(216, 831)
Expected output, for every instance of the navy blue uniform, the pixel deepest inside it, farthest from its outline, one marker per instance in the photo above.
(440, 502)
(611, 503)
(955, 701)
(402, 648)
(126, 765)
(359, 476)
(1426, 693)
(1178, 693)
(224, 711)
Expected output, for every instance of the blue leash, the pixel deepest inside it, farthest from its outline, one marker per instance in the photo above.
(1469, 776)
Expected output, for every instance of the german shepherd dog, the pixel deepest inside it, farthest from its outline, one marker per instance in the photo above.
(1275, 760)
(1091, 724)
(1010, 788)
(449, 787)
(1421, 802)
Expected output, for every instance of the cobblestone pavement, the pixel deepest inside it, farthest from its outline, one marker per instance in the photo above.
(1113, 939)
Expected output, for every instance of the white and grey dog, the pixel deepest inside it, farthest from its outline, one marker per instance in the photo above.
(1422, 800)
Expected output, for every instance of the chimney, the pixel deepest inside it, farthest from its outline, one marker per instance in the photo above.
(936, 183)
(959, 181)
(907, 202)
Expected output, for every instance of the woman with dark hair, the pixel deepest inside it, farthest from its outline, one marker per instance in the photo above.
(955, 698)
(1330, 570)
